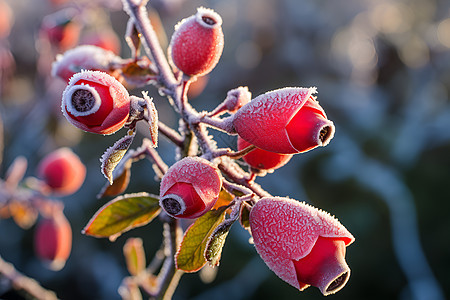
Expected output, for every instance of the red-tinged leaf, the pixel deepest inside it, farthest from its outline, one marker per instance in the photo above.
(190, 256)
(122, 214)
(224, 199)
(113, 155)
(216, 241)
(134, 253)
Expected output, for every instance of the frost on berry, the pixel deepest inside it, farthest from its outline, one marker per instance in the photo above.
(301, 244)
(62, 171)
(85, 57)
(190, 188)
(96, 102)
(197, 43)
(287, 120)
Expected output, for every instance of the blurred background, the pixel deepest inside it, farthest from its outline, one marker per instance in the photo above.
(382, 70)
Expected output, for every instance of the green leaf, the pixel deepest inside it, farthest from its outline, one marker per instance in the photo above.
(122, 214)
(215, 243)
(190, 256)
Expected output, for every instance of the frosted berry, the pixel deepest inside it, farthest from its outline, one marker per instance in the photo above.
(86, 57)
(96, 102)
(53, 240)
(61, 29)
(62, 171)
(288, 120)
(190, 188)
(303, 245)
(197, 43)
(262, 159)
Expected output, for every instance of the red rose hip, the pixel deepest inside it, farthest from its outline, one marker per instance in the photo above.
(62, 171)
(197, 43)
(301, 244)
(262, 159)
(53, 240)
(287, 121)
(190, 188)
(96, 102)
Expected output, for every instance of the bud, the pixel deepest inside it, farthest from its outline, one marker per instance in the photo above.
(86, 57)
(53, 240)
(288, 121)
(262, 159)
(96, 102)
(190, 188)
(197, 43)
(62, 171)
(301, 244)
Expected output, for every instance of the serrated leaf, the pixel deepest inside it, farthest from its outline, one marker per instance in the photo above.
(216, 241)
(112, 156)
(190, 256)
(122, 214)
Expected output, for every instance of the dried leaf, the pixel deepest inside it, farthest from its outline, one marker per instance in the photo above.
(215, 243)
(244, 216)
(23, 213)
(134, 253)
(224, 199)
(120, 182)
(112, 156)
(122, 214)
(190, 256)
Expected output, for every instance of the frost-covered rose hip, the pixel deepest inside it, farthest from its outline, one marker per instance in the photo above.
(53, 240)
(262, 159)
(303, 245)
(86, 57)
(197, 43)
(190, 188)
(287, 120)
(62, 171)
(96, 102)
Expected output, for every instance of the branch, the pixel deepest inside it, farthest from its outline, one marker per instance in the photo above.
(22, 283)
(139, 14)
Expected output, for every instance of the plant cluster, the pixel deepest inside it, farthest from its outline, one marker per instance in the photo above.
(208, 185)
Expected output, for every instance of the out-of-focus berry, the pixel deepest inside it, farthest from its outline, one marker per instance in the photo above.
(62, 171)
(53, 240)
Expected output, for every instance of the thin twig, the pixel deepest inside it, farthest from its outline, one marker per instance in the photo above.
(22, 283)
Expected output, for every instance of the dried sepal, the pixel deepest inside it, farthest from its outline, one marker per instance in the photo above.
(132, 38)
(114, 154)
